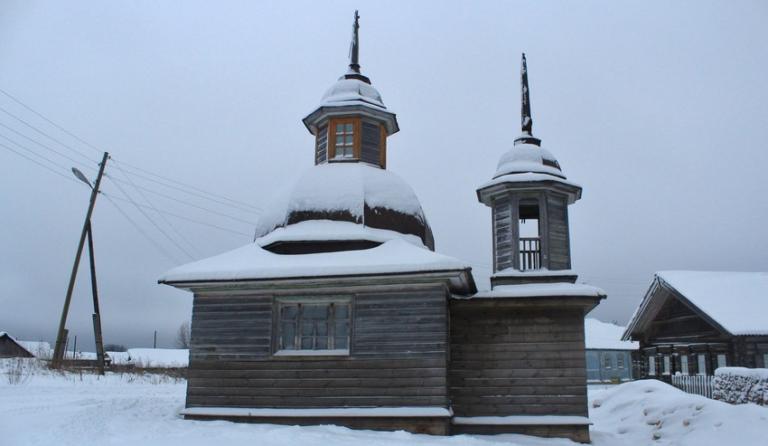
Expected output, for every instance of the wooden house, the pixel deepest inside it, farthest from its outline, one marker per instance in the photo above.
(609, 358)
(10, 348)
(692, 322)
(341, 312)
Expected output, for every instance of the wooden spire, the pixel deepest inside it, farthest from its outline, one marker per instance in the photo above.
(354, 53)
(526, 121)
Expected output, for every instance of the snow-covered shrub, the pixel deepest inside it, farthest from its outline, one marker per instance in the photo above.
(739, 385)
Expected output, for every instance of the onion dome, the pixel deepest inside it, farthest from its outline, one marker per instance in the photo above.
(354, 193)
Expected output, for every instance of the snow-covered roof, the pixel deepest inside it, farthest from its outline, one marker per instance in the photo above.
(526, 178)
(512, 272)
(251, 262)
(604, 335)
(557, 289)
(738, 301)
(352, 92)
(331, 230)
(524, 158)
(342, 187)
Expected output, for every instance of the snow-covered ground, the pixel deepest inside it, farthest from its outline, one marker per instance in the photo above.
(127, 409)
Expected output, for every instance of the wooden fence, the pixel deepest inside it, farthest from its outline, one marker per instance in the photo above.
(695, 384)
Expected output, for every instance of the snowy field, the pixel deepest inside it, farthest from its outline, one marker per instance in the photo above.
(47, 408)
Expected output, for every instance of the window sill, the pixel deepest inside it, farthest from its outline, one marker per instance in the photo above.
(338, 352)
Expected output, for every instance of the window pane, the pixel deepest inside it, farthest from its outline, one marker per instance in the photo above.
(341, 343)
(307, 343)
(339, 128)
(288, 336)
(348, 127)
(289, 312)
(348, 140)
(339, 140)
(342, 311)
(322, 343)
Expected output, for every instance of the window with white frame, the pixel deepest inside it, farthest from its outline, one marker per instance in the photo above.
(666, 365)
(651, 366)
(312, 327)
(721, 361)
(702, 363)
(684, 364)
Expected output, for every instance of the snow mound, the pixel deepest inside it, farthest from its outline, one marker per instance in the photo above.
(652, 412)
(352, 92)
(329, 230)
(343, 188)
(524, 158)
(152, 357)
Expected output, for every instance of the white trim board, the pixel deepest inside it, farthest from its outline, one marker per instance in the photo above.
(524, 420)
(317, 413)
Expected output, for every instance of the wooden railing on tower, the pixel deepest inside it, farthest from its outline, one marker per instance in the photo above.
(530, 253)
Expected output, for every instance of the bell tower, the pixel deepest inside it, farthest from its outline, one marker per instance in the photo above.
(529, 197)
(352, 123)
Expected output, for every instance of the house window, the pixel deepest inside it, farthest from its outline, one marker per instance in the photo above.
(666, 365)
(765, 360)
(721, 362)
(702, 363)
(684, 364)
(620, 361)
(651, 366)
(344, 142)
(607, 361)
(312, 327)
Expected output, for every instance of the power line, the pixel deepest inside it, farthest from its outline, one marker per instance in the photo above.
(39, 163)
(14, 99)
(173, 228)
(169, 197)
(236, 203)
(50, 149)
(141, 231)
(253, 209)
(182, 217)
(232, 202)
(43, 133)
(162, 231)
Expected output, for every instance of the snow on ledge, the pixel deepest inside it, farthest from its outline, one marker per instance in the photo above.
(511, 272)
(524, 420)
(742, 371)
(336, 352)
(325, 412)
(330, 230)
(526, 178)
(539, 290)
(251, 262)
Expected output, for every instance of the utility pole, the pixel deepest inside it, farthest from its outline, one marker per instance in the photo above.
(58, 353)
(154, 342)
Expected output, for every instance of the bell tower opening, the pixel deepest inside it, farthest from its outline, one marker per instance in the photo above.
(530, 237)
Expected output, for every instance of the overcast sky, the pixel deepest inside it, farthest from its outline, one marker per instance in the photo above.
(658, 109)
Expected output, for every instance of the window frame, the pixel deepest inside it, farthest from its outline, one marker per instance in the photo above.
(652, 365)
(666, 365)
(724, 362)
(701, 363)
(356, 138)
(280, 302)
(684, 368)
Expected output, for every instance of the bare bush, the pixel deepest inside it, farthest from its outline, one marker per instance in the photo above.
(184, 335)
(18, 370)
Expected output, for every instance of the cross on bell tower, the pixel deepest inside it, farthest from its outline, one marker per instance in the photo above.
(529, 197)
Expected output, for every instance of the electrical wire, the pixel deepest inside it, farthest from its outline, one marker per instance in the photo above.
(141, 231)
(41, 145)
(169, 197)
(210, 225)
(41, 164)
(232, 202)
(162, 231)
(147, 200)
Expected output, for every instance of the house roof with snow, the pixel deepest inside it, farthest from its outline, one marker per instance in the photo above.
(733, 302)
(605, 336)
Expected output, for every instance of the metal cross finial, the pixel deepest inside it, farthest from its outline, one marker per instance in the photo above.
(354, 47)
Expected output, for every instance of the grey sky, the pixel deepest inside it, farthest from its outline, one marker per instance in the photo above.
(657, 109)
